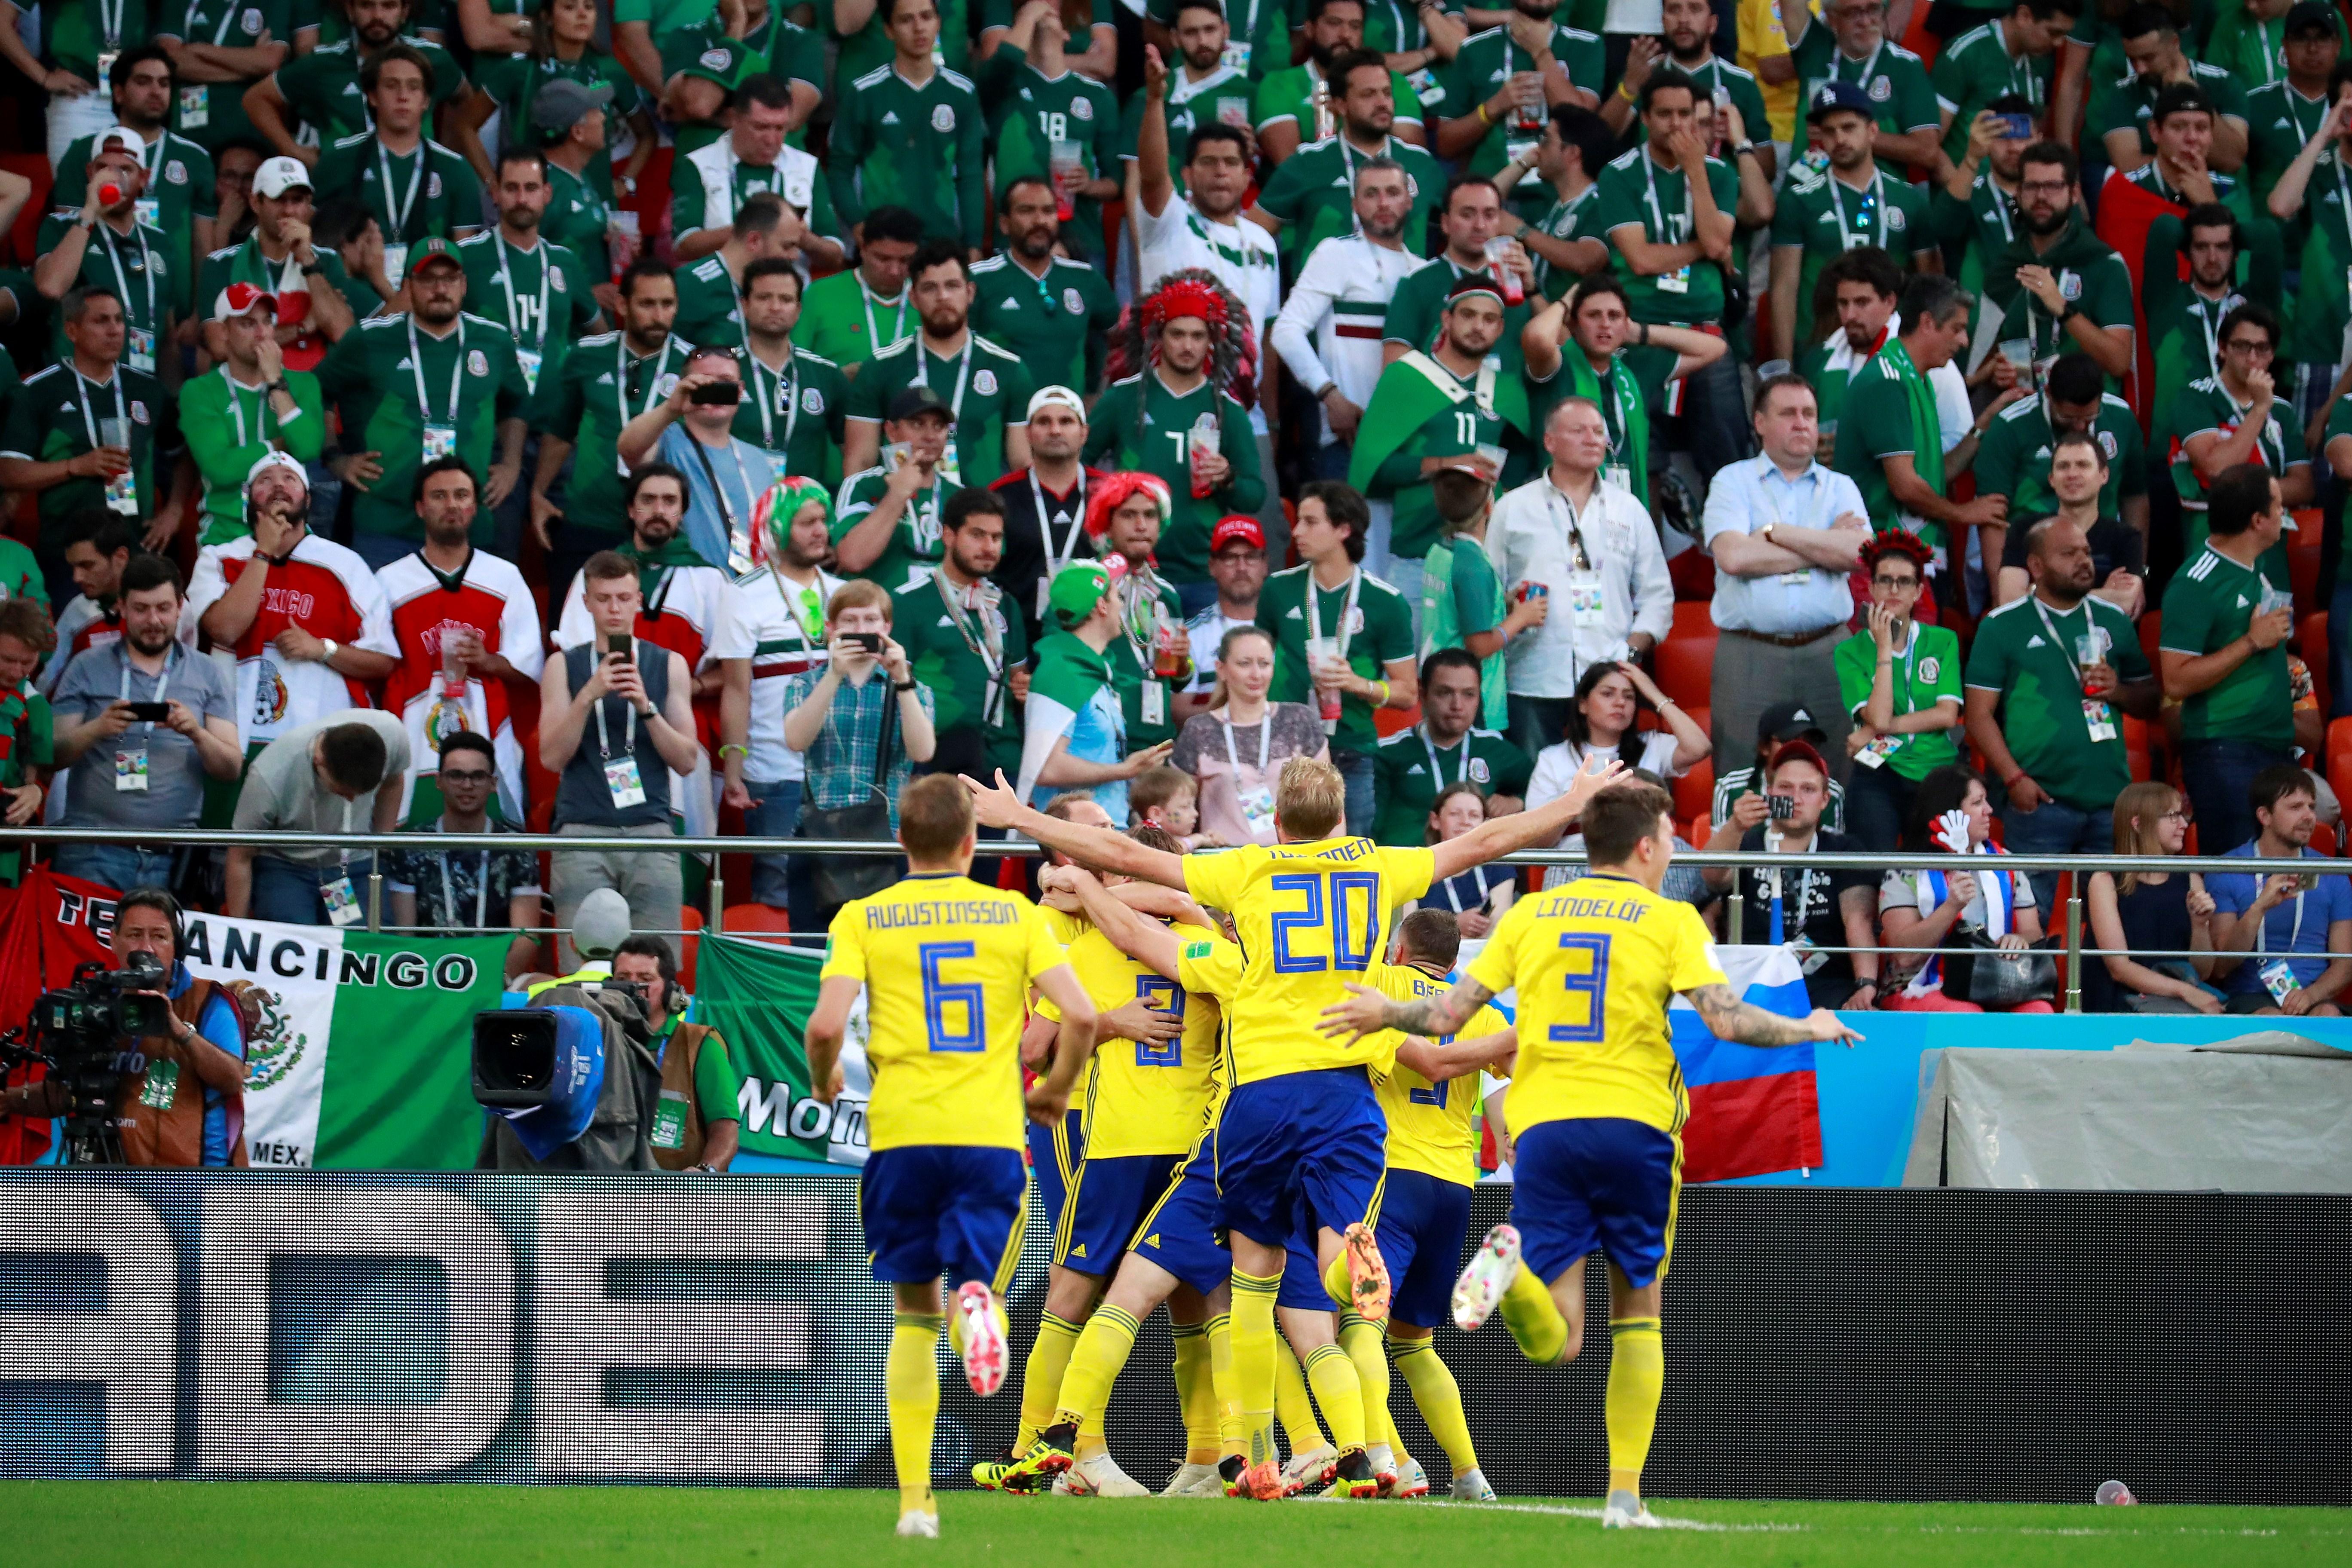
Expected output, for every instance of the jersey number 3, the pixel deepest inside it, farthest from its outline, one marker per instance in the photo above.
(954, 1014)
(1591, 983)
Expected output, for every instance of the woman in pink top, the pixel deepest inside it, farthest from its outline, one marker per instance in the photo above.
(1238, 746)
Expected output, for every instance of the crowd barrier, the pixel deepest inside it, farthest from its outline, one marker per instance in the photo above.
(724, 1331)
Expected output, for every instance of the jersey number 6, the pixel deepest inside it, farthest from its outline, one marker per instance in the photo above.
(954, 1014)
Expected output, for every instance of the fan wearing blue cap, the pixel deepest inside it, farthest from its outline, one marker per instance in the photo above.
(1824, 212)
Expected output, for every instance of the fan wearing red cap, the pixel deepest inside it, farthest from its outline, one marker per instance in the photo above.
(1810, 911)
(1152, 661)
(250, 404)
(105, 246)
(1237, 565)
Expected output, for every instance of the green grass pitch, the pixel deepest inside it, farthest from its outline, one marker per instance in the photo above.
(263, 1525)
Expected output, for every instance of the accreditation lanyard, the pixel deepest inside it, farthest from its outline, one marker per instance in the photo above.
(978, 628)
(629, 725)
(2209, 314)
(88, 421)
(621, 367)
(1265, 740)
(1436, 770)
(2064, 644)
(262, 419)
(1347, 611)
(1057, 558)
(482, 889)
(1578, 557)
(874, 332)
(163, 682)
(2273, 454)
(147, 268)
(788, 393)
(2263, 931)
(1869, 66)
(1873, 208)
(1453, 899)
(399, 227)
(505, 280)
(456, 374)
(109, 24)
(963, 369)
(1677, 232)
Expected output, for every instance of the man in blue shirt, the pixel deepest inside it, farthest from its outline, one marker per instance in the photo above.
(2293, 928)
(693, 431)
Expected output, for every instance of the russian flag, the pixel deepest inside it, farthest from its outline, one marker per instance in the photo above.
(1753, 1108)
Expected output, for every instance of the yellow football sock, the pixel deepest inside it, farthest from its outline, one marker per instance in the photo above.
(1300, 1429)
(1219, 1332)
(1335, 1279)
(1256, 1351)
(1362, 1341)
(1439, 1398)
(1095, 1362)
(1196, 1393)
(911, 1380)
(1332, 1376)
(1533, 1318)
(1637, 1377)
(1041, 1379)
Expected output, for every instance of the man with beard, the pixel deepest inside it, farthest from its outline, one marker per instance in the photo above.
(1045, 505)
(249, 406)
(1575, 146)
(2063, 288)
(321, 90)
(2120, 116)
(415, 187)
(967, 643)
(2014, 457)
(1849, 43)
(2010, 53)
(607, 381)
(1823, 214)
(316, 301)
(169, 761)
(1330, 329)
(782, 604)
(1587, 332)
(430, 384)
(710, 291)
(794, 401)
(1975, 205)
(1310, 198)
(106, 245)
(1295, 106)
(468, 631)
(1864, 286)
(1051, 312)
(179, 198)
(1202, 228)
(1502, 83)
(1207, 86)
(1237, 565)
(1689, 27)
(986, 387)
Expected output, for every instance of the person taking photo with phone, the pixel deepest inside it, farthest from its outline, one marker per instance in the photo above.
(1809, 912)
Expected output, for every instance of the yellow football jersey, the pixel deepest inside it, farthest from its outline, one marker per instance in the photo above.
(1430, 1124)
(946, 965)
(1311, 918)
(1143, 1098)
(1067, 925)
(1595, 963)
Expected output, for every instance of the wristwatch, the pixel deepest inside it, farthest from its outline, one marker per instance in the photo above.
(1743, 149)
(332, 647)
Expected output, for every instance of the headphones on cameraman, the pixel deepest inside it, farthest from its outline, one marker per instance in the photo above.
(160, 898)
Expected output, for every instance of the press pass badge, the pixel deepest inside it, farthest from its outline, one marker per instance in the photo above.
(2098, 718)
(1674, 282)
(1585, 600)
(138, 349)
(440, 440)
(1154, 706)
(627, 784)
(669, 1121)
(131, 771)
(161, 1084)
(2278, 977)
(1874, 755)
(395, 262)
(1257, 811)
(342, 903)
(196, 107)
(1617, 474)
(529, 359)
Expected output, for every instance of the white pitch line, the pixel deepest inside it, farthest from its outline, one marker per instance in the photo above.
(1595, 1513)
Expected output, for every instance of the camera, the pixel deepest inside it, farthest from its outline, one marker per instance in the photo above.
(82, 1033)
(717, 392)
(544, 1069)
(1780, 807)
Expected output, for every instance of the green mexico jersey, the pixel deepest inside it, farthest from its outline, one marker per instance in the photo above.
(2206, 407)
(542, 296)
(2323, 304)
(212, 113)
(1223, 97)
(1891, 76)
(795, 416)
(2207, 605)
(397, 385)
(897, 143)
(228, 427)
(1414, 768)
(55, 416)
(1143, 697)
(426, 192)
(20, 573)
(2184, 328)
(154, 287)
(709, 304)
(987, 388)
(1054, 323)
(2100, 284)
(1312, 191)
(847, 321)
(1977, 67)
(2026, 651)
(2128, 101)
(948, 649)
(1138, 425)
(1457, 428)
(1926, 673)
(914, 546)
(1257, 34)
(77, 34)
(1036, 122)
(605, 384)
(322, 87)
(180, 179)
(870, 49)
(1287, 98)
(1825, 217)
(664, 19)
(1876, 422)
(579, 218)
(513, 80)
(2014, 459)
(245, 264)
(1634, 190)
(1376, 632)
(1415, 309)
(774, 47)
(2280, 121)
(1487, 60)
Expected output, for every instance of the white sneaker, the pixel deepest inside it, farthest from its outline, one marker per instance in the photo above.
(1384, 1465)
(984, 1350)
(1470, 1486)
(1098, 1476)
(924, 1525)
(1311, 1468)
(1625, 1510)
(1412, 1480)
(1490, 1272)
(1196, 1480)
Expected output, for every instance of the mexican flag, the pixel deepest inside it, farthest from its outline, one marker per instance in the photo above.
(759, 997)
(358, 1046)
(1410, 390)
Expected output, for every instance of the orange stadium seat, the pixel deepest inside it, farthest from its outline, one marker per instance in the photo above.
(1685, 668)
(757, 922)
(2311, 643)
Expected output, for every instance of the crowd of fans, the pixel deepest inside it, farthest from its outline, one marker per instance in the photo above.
(530, 414)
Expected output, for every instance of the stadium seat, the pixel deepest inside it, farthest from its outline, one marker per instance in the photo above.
(1694, 791)
(1685, 669)
(2136, 749)
(2323, 839)
(757, 922)
(689, 943)
(2302, 563)
(1693, 575)
(2311, 644)
(2337, 760)
(2151, 628)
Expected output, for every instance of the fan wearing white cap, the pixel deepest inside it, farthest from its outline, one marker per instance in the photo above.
(1045, 505)
(103, 244)
(179, 199)
(306, 621)
(248, 407)
(316, 301)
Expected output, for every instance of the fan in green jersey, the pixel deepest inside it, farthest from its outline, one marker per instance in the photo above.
(909, 133)
(794, 401)
(1047, 120)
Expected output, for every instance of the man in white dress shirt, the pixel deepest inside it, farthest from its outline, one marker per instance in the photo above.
(1593, 547)
(1785, 532)
(1330, 329)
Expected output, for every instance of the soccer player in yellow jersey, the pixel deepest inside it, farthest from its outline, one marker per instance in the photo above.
(946, 965)
(1596, 1103)
(1299, 1143)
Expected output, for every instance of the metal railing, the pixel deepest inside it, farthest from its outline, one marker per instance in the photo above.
(2082, 866)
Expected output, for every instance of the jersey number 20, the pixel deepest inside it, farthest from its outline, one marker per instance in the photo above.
(1353, 922)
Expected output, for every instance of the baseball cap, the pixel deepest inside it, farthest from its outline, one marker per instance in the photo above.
(239, 298)
(278, 175)
(2310, 16)
(1838, 98)
(1236, 529)
(909, 401)
(1057, 397)
(1790, 721)
(132, 142)
(270, 461)
(1798, 752)
(432, 249)
(559, 105)
(1078, 588)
